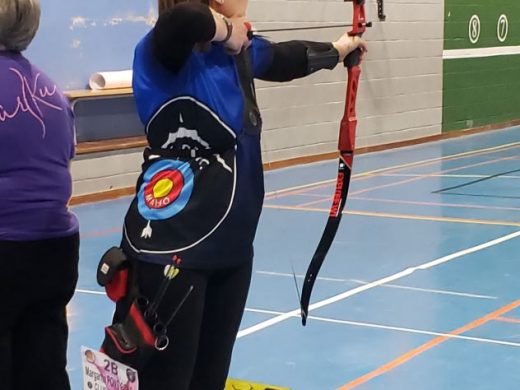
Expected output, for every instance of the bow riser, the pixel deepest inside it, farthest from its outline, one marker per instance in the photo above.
(359, 25)
(347, 134)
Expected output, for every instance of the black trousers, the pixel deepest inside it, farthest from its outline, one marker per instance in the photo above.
(202, 334)
(37, 280)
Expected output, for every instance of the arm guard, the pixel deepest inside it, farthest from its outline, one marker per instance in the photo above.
(322, 56)
(296, 59)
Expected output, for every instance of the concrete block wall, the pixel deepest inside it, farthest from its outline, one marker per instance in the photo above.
(101, 172)
(400, 95)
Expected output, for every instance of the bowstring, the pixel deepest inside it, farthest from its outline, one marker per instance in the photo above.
(275, 195)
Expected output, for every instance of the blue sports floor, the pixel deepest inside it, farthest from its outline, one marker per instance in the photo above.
(420, 290)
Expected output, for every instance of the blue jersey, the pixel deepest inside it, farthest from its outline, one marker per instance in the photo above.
(201, 190)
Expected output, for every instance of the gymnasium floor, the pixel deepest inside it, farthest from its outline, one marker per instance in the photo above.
(420, 290)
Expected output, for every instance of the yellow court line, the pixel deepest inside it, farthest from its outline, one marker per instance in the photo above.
(403, 216)
(400, 166)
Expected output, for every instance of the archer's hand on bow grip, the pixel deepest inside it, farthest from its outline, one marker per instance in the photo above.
(356, 56)
(353, 59)
(350, 49)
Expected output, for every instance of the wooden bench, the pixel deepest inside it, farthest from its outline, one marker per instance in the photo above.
(86, 93)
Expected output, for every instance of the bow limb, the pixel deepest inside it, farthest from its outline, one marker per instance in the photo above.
(346, 142)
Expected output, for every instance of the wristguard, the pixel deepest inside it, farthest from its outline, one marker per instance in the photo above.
(320, 56)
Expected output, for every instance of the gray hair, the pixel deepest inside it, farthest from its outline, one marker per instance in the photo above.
(19, 21)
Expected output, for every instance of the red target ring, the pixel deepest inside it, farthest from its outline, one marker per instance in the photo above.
(164, 188)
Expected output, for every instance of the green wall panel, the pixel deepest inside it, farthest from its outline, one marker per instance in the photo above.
(482, 89)
(457, 14)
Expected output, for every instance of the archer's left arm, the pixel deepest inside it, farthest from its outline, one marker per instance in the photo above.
(295, 59)
(290, 60)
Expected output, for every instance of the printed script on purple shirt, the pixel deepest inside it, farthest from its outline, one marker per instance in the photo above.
(36, 146)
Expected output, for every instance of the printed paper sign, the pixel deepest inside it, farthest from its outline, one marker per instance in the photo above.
(235, 384)
(100, 372)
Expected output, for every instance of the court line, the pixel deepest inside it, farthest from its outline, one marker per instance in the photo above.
(92, 292)
(482, 195)
(403, 216)
(406, 272)
(396, 286)
(449, 176)
(426, 176)
(427, 346)
(94, 234)
(508, 319)
(106, 232)
(418, 203)
(413, 179)
(396, 328)
(328, 198)
(287, 191)
(356, 281)
(469, 183)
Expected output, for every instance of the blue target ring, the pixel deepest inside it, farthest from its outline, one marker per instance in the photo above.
(156, 208)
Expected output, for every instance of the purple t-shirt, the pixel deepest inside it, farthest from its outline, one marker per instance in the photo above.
(36, 146)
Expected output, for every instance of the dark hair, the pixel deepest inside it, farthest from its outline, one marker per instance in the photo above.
(165, 5)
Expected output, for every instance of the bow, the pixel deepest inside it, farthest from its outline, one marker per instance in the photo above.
(347, 136)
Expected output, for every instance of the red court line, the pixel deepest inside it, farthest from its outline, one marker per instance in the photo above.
(427, 346)
(100, 233)
(508, 319)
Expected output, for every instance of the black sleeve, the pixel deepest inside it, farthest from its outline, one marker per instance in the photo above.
(296, 59)
(178, 30)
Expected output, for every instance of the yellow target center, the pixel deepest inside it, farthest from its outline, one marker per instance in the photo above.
(162, 188)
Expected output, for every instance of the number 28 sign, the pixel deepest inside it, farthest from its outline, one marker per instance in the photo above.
(100, 372)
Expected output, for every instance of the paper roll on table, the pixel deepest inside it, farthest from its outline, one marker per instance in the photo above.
(111, 80)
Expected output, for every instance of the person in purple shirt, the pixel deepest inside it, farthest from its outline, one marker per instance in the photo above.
(39, 240)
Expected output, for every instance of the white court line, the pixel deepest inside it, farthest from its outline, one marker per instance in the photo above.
(396, 328)
(90, 292)
(378, 171)
(448, 175)
(284, 316)
(398, 286)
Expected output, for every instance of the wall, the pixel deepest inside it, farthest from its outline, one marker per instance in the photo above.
(400, 94)
(481, 63)
(78, 37)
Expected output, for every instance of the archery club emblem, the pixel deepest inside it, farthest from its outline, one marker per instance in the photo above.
(185, 193)
(166, 189)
